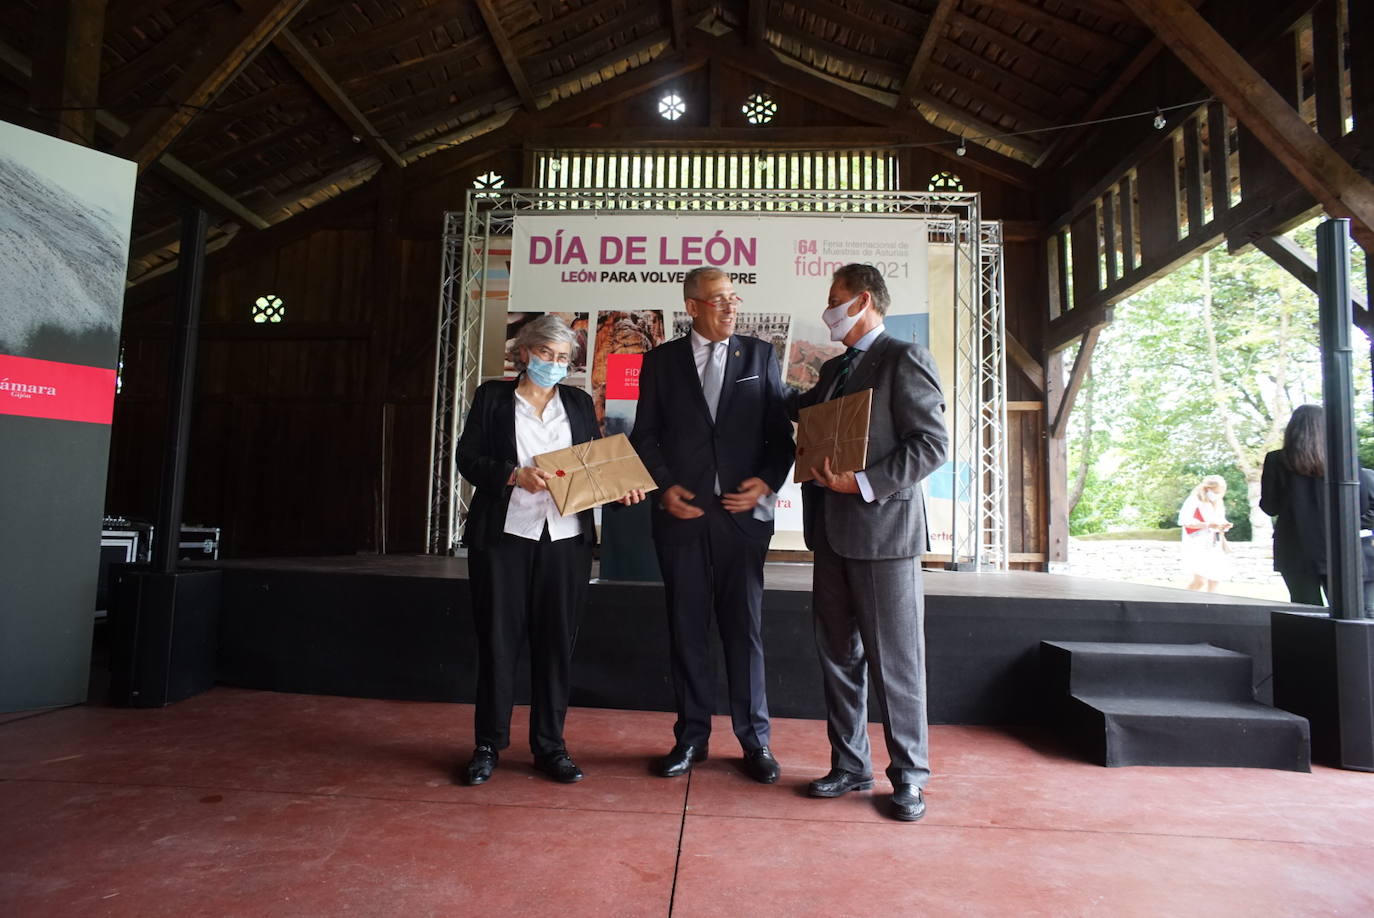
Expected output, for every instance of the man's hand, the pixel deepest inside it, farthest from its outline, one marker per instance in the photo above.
(745, 499)
(675, 501)
(532, 479)
(632, 496)
(839, 482)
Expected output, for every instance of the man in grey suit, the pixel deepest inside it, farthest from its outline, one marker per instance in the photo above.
(868, 532)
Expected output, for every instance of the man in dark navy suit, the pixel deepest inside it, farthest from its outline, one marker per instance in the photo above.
(712, 428)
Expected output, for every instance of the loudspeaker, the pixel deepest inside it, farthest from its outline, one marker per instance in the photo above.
(164, 635)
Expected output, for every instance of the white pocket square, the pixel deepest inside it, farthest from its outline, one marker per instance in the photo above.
(747, 378)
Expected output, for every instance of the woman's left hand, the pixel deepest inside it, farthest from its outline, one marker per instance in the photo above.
(632, 496)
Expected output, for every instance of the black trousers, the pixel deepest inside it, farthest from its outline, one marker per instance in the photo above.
(1310, 589)
(526, 590)
(719, 574)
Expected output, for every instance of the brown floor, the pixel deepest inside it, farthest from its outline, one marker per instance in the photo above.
(261, 804)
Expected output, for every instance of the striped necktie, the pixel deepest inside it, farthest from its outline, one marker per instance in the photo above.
(842, 376)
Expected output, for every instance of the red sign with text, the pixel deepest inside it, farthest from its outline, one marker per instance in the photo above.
(622, 375)
(58, 391)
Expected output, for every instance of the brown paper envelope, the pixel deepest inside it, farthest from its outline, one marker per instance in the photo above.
(593, 473)
(838, 429)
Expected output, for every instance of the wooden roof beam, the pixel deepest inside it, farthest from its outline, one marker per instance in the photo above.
(674, 16)
(69, 41)
(333, 96)
(766, 66)
(935, 31)
(203, 79)
(1300, 263)
(508, 56)
(1329, 177)
(182, 175)
(758, 24)
(1074, 76)
(1063, 29)
(978, 128)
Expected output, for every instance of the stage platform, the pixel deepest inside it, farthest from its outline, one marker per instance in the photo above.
(400, 627)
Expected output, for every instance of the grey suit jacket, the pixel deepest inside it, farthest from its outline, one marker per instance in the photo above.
(906, 442)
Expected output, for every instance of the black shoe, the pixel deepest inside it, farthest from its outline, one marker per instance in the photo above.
(483, 761)
(560, 767)
(908, 803)
(839, 782)
(680, 760)
(761, 765)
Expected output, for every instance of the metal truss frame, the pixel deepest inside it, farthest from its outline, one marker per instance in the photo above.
(978, 421)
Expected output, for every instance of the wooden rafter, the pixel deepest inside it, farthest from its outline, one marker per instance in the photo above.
(768, 67)
(333, 96)
(586, 40)
(840, 53)
(509, 58)
(1026, 363)
(1081, 362)
(181, 174)
(950, 53)
(572, 22)
(674, 15)
(988, 96)
(935, 31)
(978, 128)
(1057, 26)
(758, 23)
(1067, 140)
(1074, 76)
(1306, 155)
(244, 37)
(831, 11)
(1300, 263)
(66, 88)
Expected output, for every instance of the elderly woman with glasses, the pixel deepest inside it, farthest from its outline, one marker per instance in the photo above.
(528, 566)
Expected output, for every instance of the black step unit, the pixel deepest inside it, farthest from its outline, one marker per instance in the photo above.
(1166, 704)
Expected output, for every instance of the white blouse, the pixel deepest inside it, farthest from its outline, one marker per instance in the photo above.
(527, 513)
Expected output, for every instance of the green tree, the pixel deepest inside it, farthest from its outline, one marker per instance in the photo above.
(1197, 375)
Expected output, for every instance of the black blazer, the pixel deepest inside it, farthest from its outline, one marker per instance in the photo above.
(680, 444)
(487, 455)
(1298, 504)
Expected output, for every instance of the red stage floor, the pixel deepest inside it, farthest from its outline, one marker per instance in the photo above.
(261, 804)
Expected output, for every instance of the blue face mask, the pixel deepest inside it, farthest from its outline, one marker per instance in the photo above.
(545, 373)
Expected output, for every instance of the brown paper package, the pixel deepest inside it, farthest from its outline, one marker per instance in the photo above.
(838, 429)
(593, 473)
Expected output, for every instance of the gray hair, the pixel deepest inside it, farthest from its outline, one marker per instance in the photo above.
(548, 329)
(689, 283)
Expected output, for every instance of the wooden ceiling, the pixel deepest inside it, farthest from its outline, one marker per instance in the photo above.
(264, 108)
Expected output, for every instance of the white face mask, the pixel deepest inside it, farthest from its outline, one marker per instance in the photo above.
(839, 322)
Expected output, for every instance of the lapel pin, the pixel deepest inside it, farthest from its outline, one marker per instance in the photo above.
(736, 353)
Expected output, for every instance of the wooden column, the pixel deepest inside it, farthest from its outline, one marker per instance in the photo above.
(66, 69)
(386, 257)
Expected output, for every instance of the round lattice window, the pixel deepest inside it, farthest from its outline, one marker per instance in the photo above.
(759, 108)
(672, 107)
(269, 308)
(945, 181)
(487, 184)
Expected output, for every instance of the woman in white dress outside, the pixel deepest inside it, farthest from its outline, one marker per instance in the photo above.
(1203, 518)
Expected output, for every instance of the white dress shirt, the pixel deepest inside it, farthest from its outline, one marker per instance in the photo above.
(528, 513)
(863, 344)
(701, 353)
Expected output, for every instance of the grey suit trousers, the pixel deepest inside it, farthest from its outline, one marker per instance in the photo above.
(870, 619)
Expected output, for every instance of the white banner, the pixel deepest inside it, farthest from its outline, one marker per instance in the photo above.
(622, 275)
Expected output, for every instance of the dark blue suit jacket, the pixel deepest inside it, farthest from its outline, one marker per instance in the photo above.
(487, 455)
(680, 444)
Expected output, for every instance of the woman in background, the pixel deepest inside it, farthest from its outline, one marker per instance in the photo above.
(1203, 518)
(1293, 491)
(528, 566)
